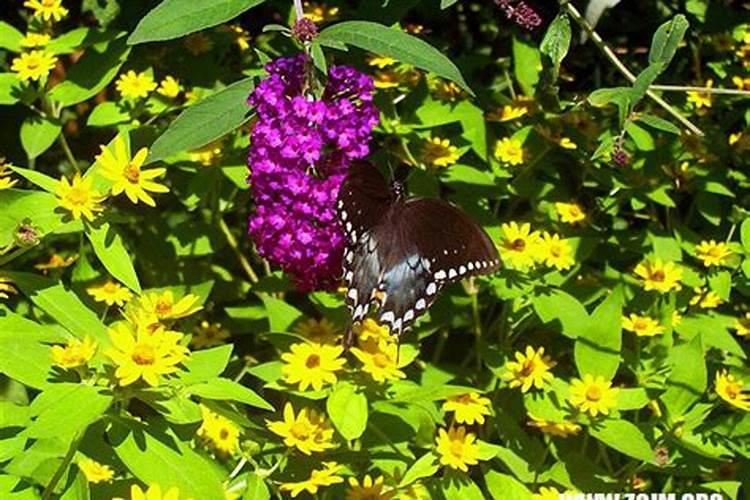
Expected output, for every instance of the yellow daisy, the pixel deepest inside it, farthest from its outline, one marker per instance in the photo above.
(547, 493)
(701, 100)
(94, 471)
(712, 253)
(143, 354)
(567, 143)
(5, 175)
(519, 246)
(75, 353)
(207, 155)
(79, 197)
(705, 299)
(379, 360)
(318, 331)
(209, 335)
(439, 152)
(308, 431)
(380, 61)
(318, 478)
(530, 369)
(742, 325)
(368, 489)
(555, 252)
(511, 112)
(33, 40)
(445, 90)
(320, 13)
(169, 87)
(135, 85)
(154, 492)
(33, 65)
(660, 276)
(6, 287)
(163, 305)
(593, 395)
(127, 175)
(510, 151)
(369, 329)
(48, 10)
(732, 390)
(56, 261)
(457, 448)
(560, 429)
(312, 365)
(570, 213)
(643, 326)
(241, 37)
(468, 408)
(110, 293)
(219, 432)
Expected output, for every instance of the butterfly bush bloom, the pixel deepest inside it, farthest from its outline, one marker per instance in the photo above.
(301, 149)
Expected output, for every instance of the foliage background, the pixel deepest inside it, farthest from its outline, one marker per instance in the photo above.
(649, 187)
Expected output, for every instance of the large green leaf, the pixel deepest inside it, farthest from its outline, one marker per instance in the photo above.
(225, 389)
(10, 37)
(112, 253)
(505, 487)
(207, 120)
(44, 181)
(347, 408)
(98, 66)
(556, 42)
(175, 18)
(205, 365)
(281, 315)
(597, 349)
(562, 309)
(10, 88)
(688, 379)
(64, 410)
(623, 437)
(25, 352)
(38, 133)
(393, 43)
(34, 207)
(666, 40)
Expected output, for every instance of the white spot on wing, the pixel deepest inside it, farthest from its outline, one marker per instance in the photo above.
(421, 304)
(387, 317)
(452, 273)
(409, 315)
(431, 289)
(440, 275)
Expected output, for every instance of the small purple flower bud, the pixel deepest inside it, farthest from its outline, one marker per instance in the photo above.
(304, 30)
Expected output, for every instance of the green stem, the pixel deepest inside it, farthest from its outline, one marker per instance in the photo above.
(68, 152)
(244, 263)
(702, 90)
(49, 490)
(16, 253)
(477, 328)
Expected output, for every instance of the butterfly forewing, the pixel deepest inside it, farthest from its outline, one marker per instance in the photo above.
(363, 199)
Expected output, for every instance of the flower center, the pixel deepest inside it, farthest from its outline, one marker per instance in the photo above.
(555, 251)
(640, 324)
(223, 433)
(527, 368)
(464, 399)
(519, 245)
(658, 276)
(49, 3)
(33, 63)
(313, 361)
(381, 360)
(593, 393)
(132, 173)
(163, 307)
(143, 354)
(110, 288)
(78, 196)
(300, 431)
(457, 448)
(733, 391)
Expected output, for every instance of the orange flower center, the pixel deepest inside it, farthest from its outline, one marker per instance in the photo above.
(519, 245)
(49, 3)
(527, 368)
(457, 448)
(733, 391)
(78, 196)
(224, 433)
(658, 276)
(555, 251)
(593, 393)
(143, 354)
(313, 361)
(132, 173)
(110, 287)
(163, 307)
(640, 324)
(381, 360)
(300, 431)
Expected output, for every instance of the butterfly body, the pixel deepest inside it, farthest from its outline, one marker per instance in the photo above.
(402, 251)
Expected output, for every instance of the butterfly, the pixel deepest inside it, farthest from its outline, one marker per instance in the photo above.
(402, 251)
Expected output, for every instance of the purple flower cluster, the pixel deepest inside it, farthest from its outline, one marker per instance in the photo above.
(521, 13)
(301, 149)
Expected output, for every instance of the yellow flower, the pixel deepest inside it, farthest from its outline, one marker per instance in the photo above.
(559, 429)
(33, 65)
(659, 276)
(207, 155)
(701, 99)
(312, 365)
(510, 151)
(439, 152)
(79, 197)
(47, 9)
(241, 37)
(567, 143)
(468, 408)
(742, 325)
(380, 61)
(593, 395)
(643, 326)
(95, 472)
(169, 87)
(511, 112)
(220, 432)
(209, 335)
(570, 213)
(320, 13)
(127, 175)
(556, 252)
(135, 85)
(75, 353)
(163, 305)
(56, 262)
(741, 83)
(676, 318)
(143, 354)
(319, 477)
(712, 253)
(6, 287)
(520, 246)
(547, 493)
(5, 172)
(457, 449)
(198, 43)
(32, 40)
(445, 90)
(318, 331)
(368, 489)
(309, 431)
(731, 390)
(387, 79)
(369, 329)
(379, 360)
(110, 293)
(529, 369)
(154, 492)
(705, 299)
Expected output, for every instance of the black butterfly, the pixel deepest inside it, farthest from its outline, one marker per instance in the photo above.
(402, 251)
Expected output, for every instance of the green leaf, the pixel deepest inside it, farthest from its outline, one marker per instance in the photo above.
(504, 487)
(659, 124)
(687, 381)
(444, 4)
(666, 40)
(221, 388)
(26, 353)
(10, 88)
(10, 37)
(556, 42)
(526, 63)
(644, 80)
(18, 207)
(281, 315)
(642, 139)
(38, 133)
(619, 96)
(107, 114)
(205, 121)
(597, 349)
(632, 398)
(159, 457)
(63, 305)
(111, 251)
(459, 486)
(562, 308)
(745, 234)
(175, 18)
(347, 408)
(86, 78)
(64, 410)
(394, 43)
(624, 437)
(426, 466)
(205, 365)
(256, 488)
(45, 182)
